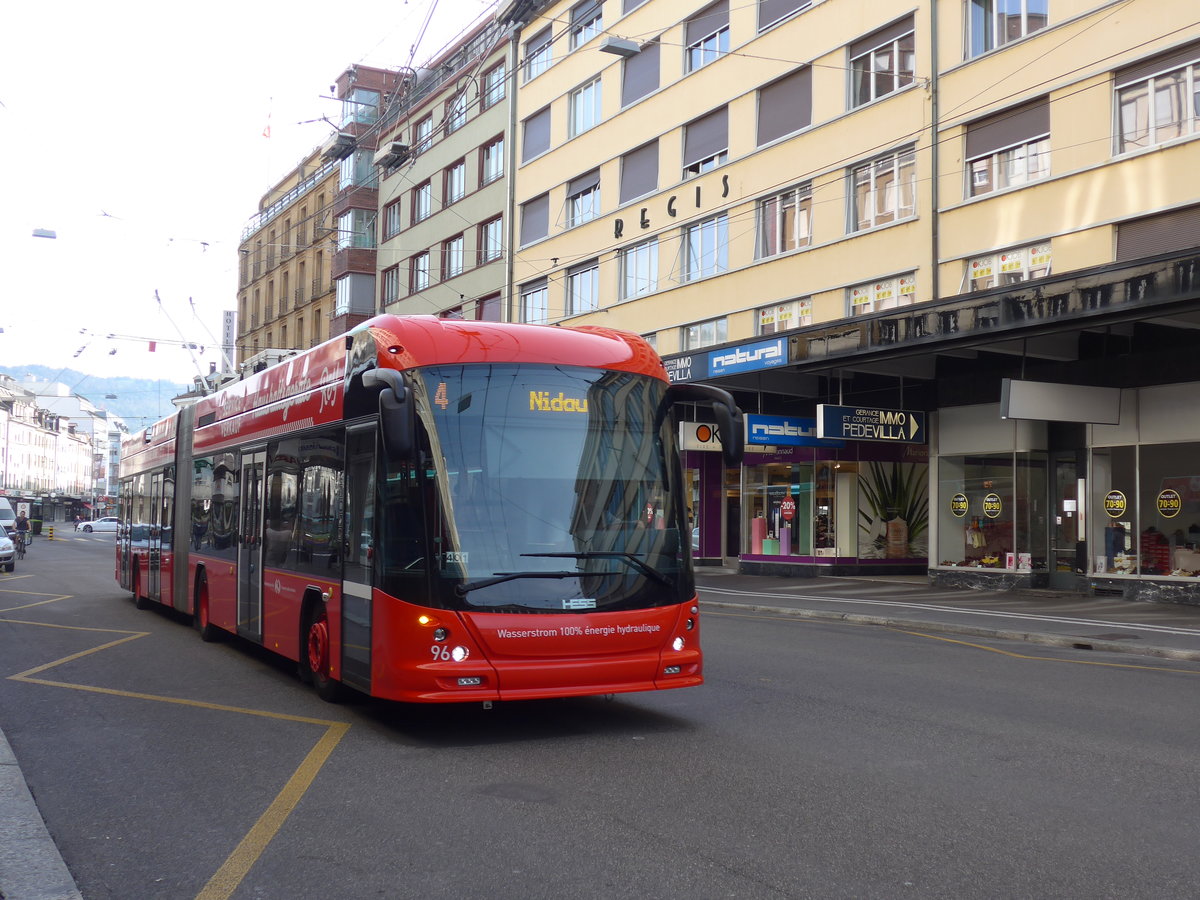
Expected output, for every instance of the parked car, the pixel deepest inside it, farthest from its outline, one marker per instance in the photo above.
(107, 524)
(8, 553)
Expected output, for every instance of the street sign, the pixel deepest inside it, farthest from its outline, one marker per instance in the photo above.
(858, 423)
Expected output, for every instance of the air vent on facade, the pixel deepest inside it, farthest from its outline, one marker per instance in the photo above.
(340, 147)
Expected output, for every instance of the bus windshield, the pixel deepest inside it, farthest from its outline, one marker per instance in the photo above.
(551, 489)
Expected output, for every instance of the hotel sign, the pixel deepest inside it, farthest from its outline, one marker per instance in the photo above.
(858, 423)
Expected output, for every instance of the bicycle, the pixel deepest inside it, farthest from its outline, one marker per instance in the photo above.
(20, 542)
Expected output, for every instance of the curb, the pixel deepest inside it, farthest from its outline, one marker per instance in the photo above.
(31, 867)
(1076, 642)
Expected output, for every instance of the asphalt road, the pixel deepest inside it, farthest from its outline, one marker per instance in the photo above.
(820, 760)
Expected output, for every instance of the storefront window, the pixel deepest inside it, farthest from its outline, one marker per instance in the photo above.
(893, 510)
(1114, 500)
(778, 506)
(1030, 513)
(976, 520)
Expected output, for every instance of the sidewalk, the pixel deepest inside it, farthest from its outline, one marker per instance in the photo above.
(32, 869)
(1055, 618)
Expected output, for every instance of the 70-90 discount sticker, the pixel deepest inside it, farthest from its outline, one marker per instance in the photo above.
(1169, 503)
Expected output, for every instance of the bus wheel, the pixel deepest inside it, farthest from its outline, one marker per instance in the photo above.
(209, 632)
(318, 645)
(138, 600)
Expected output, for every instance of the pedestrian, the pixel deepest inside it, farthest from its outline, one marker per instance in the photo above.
(78, 521)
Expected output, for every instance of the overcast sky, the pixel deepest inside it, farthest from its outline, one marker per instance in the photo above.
(134, 131)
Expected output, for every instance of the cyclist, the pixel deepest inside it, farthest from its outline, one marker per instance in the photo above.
(21, 527)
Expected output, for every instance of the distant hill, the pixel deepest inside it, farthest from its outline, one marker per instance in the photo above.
(139, 401)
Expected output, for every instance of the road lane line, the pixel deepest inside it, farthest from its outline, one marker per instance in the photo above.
(227, 878)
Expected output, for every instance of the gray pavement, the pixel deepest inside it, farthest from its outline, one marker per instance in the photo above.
(32, 869)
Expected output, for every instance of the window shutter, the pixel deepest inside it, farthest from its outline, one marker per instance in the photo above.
(1164, 233)
(535, 219)
(708, 20)
(880, 37)
(639, 171)
(1012, 126)
(785, 105)
(706, 136)
(537, 135)
(640, 74)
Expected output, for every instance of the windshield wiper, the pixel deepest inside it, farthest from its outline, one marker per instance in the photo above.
(463, 589)
(629, 558)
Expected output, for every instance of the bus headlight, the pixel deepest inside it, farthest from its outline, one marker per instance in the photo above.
(677, 644)
(458, 654)
(440, 634)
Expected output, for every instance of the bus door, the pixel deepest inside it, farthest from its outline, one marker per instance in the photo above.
(154, 551)
(359, 554)
(250, 545)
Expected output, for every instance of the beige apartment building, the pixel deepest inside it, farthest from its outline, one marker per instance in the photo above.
(442, 158)
(945, 253)
(285, 284)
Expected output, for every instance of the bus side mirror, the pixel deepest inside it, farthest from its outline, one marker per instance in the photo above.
(396, 419)
(725, 411)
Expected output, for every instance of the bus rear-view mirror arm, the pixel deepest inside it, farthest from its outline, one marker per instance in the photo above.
(725, 410)
(395, 410)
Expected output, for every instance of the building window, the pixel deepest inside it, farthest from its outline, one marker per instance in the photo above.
(456, 182)
(584, 107)
(422, 200)
(583, 288)
(491, 161)
(639, 171)
(494, 81)
(706, 143)
(357, 169)
(423, 135)
(356, 228)
(785, 106)
(1158, 100)
(583, 199)
(705, 248)
(704, 334)
(994, 23)
(491, 240)
(360, 106)
(1009, 149)
(1009, 267)
(391, 286)
(640, 73)
(886, 293)
(452, 257)
(884, 190)
(535, 299)
(536, 133)
(341, 299)
(707, 35)
(456, 112)
(391, 220)
(639, 269)
(535, 219)
(585, 23)
(785, 221)
(772, 12)
(882, 63)
(418, 272)
(782, 316)
(537, 53)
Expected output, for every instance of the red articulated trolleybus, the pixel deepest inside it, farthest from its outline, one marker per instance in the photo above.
(433, 510)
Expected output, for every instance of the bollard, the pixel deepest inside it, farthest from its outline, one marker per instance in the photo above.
(51, 535)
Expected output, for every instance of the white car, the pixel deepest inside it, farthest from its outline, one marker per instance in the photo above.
(107, 524)
(8, 553)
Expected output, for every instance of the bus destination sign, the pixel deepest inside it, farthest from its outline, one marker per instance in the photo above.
(857, 423)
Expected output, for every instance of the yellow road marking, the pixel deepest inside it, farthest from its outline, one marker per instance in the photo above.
(246, 854)
(226, 879)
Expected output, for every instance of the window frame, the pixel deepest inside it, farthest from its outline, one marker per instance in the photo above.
(454, 175)
(392, 219)
(455, 113)
(693, 337)
(418, 272)
(586, 22)
(899, 160)
(494, 89)
(422, 201)
(1024, 263)
(710, 44)
(583, 205)
(485, 155)
(784, 316)
(539, 54)
(486, 242)
(1186, 77)
(422, 134)
(632, 261)
(583, 288)
(996, 37)
(529, 294)
(871, 75)
(775, 208)
(453, 257)
(891, 292)
(389, 286)
(697, 236)
(584, 108)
